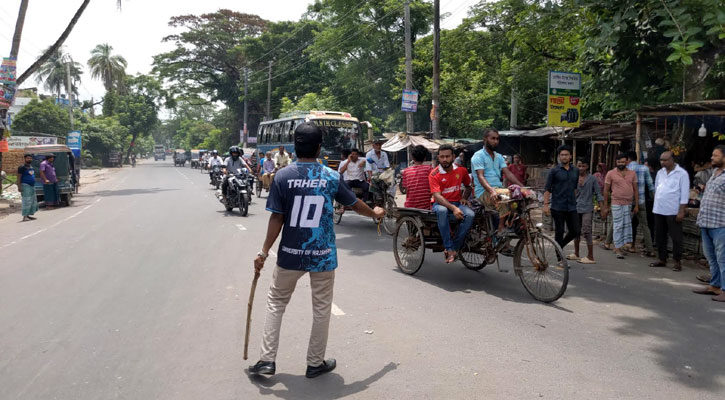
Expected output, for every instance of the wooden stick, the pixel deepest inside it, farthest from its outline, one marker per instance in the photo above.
(249, 312)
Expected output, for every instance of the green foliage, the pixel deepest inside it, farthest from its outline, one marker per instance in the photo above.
(42, 117)
(111, 69)
(311, 101)
(102, 135)
(53, 74)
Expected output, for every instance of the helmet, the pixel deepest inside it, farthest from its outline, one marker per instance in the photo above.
(235, 149)
(214, 152)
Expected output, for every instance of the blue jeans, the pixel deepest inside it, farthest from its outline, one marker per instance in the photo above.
(444, 225)
(713, 245)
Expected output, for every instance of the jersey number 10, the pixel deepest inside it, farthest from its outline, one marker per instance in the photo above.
(304, 203)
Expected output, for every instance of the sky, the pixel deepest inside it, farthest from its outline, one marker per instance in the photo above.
(135, 32)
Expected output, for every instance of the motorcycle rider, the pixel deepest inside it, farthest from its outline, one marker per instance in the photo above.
(214, 160)
(232, 164)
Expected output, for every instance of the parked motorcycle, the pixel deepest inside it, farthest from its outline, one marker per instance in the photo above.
(216, 176)
(238, 192)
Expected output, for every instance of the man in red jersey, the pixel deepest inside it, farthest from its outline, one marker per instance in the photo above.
(415, 180)
(445, 184)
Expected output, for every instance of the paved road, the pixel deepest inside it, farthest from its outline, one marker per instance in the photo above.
(139, 291)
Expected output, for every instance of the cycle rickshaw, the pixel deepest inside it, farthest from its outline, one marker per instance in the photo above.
(539, 262)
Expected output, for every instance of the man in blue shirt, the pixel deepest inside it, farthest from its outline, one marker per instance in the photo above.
(489, 167)
(301, 203)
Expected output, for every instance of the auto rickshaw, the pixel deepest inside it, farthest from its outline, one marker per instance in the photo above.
(179, 157)
(65, 170)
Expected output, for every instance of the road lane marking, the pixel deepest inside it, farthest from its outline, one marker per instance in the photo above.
(33, 234)
(336, 311)
(241, 227)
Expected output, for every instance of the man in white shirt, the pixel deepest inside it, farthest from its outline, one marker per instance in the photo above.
(282, 158)
(353, 173)
(376, 159)
(214, 160)
(672, 189)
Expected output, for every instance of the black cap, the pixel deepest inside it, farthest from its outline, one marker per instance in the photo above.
(378, 141)
(308, 133)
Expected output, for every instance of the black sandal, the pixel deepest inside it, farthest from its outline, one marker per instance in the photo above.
(657, 264)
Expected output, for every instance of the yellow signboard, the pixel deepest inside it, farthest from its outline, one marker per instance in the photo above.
(564, 101)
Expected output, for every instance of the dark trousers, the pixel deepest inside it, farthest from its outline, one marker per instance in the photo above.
(666, 225)
(571, 220)
(360, 185)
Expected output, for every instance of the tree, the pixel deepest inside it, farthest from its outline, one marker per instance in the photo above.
(101, 136)
(42, 117)
(138, 108)
(311, 101)
(208, 60)
(111, 69)
(53, 75)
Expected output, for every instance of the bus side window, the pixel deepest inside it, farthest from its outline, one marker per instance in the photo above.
(277, 129)
(286, 132)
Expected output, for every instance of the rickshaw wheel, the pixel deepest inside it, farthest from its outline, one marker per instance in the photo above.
(472, 260)
(258, 187)
(389, 222)
(409, 245)
(546, 277)
(338, 210)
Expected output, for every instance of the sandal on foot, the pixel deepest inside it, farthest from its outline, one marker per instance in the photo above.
(677, 268)
(704, 278)
(657, 264)
(620, 256)
(586, 260)
(605, 246)
(451, 257)
(572, 257)
(706, 290)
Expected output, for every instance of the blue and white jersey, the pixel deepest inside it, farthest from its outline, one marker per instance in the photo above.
(304, 193)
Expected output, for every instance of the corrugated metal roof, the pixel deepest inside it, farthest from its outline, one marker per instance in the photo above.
(705, 107)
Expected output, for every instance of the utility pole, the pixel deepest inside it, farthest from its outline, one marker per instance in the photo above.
(436, 112)
(409, 128)
(244, 129)
(69, 90)
(513, 121)
(269, 91)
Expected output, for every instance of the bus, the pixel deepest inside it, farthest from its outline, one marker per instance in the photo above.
(340, 131)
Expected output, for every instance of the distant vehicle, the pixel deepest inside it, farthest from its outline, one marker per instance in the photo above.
(179, 157)
(65, 170)
(340, 131)
(159, 152)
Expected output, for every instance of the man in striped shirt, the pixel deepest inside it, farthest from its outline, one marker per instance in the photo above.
(415, 180)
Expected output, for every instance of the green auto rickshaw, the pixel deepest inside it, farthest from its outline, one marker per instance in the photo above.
(65, 170)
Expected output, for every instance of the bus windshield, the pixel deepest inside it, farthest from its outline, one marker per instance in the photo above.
(338, 135)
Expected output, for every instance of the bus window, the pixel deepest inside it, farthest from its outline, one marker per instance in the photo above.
(286, 132)
(277, 132)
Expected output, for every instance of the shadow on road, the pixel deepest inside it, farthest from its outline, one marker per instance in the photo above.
(131, 192)
(329, 386)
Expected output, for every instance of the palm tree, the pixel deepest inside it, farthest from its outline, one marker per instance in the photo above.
(111, 69)
(52, 73)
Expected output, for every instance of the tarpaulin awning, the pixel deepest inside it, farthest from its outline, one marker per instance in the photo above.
(401, 141)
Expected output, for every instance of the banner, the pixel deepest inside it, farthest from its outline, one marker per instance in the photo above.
(564, 105)
(8, 71)
(21, 142)
(73, 141)
(410, 101)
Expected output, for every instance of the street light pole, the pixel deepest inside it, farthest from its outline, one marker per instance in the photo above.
(244, 128)
(436, 112)
(409, 128)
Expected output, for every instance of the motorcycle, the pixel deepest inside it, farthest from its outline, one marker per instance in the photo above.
(216, 176)
(238, 192)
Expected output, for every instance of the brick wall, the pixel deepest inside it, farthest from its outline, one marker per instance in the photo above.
(11, 161)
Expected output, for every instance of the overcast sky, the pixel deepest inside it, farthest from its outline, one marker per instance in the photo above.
(136, 31)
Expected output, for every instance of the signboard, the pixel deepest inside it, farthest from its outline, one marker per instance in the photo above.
(21, 142)
(74, 143)
(410, 101)
(4, 146)
(564, 105)
(8, 77)
(252, 140)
